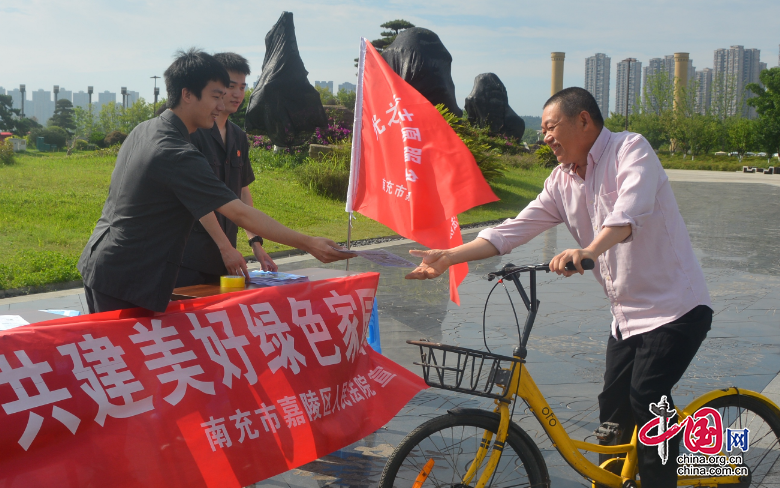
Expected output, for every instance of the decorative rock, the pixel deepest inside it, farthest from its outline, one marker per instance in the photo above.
(488, 105)
(284, 106)
(420, 58)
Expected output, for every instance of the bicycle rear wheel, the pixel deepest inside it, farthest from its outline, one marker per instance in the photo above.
(452, 442)
(763, 455)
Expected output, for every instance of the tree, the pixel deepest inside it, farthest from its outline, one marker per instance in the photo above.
(388, 37)
(741, 136)
(109, 117)
(63, 116)
(133, 115)
(326, 96)
(85, 122)
(767, 104)
(726, 101)
(658, 93)
(347, 98)
(8, 114)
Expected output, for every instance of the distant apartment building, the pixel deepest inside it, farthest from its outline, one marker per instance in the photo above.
(703, 83)
(65, 95)
(348, 87)
(16, 96)
(733, 69)
(597, 80)
(628, 83)
(104, 98)
(132, 97)
(81, 99)
(42, 106)
(661, 65)
(324, 84)
(2, 90)
(668, 67)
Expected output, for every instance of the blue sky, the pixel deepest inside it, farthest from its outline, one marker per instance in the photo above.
(109, 44)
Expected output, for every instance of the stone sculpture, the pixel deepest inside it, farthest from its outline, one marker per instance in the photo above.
(488, 105)
(284, 106)
(420, 58)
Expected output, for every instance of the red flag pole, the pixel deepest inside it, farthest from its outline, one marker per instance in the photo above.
(354, 164)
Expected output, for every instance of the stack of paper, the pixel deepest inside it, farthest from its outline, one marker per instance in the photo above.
(268, 278)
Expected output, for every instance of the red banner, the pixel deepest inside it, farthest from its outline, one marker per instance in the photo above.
(222, 391)
(410, 170)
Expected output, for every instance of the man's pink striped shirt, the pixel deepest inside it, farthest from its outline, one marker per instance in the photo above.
(651, 278)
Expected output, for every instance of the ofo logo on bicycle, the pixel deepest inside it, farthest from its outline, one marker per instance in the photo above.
(703, 433)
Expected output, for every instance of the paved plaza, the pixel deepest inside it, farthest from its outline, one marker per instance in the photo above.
(735, 230)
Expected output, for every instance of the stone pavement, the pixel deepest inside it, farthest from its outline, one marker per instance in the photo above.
(735, 231)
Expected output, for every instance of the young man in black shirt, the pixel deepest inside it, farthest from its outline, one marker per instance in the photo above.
(226, 148)
(160, 185)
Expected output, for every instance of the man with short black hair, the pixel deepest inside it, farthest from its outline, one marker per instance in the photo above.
(226, 148)
(612, 193)
(159, 186)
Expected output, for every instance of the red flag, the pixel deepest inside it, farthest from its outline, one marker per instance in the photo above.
(410, 170)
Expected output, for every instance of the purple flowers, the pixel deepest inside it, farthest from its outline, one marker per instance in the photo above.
(335, 133)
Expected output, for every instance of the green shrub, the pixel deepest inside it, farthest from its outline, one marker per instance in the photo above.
(51, 135)
(6, 153)
(56, 136)
(114, 138)
(327, 176)
(97, 138)
(81, 145)
(478, 142)
(546, 156)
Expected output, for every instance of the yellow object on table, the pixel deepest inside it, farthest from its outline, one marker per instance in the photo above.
(232, 281)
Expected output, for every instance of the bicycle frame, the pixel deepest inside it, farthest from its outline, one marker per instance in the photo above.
(523, 386)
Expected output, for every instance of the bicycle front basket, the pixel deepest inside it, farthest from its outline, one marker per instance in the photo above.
(466, 370)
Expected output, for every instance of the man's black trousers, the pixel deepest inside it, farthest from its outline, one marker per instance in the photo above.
(639, 370)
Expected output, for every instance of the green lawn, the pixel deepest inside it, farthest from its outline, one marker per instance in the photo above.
(49, 204)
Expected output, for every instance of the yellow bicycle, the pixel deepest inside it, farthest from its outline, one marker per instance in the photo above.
(479, 448)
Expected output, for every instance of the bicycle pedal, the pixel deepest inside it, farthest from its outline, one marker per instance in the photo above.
(608, 431)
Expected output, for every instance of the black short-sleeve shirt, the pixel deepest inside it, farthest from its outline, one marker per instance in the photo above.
(160, 185)
(230, 162)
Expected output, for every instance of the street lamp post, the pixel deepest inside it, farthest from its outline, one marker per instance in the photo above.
(628, 85)
(23, 89)
(156, 92)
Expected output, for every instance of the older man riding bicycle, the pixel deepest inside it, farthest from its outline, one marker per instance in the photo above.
(612, 193)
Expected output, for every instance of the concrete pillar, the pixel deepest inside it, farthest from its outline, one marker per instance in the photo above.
(557, 72)
(680, 77)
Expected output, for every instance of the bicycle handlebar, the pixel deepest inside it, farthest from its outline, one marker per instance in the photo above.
(531, 303)
(587, 264)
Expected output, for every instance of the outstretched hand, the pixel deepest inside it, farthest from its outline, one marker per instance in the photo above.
(434, 263)
(327, 250)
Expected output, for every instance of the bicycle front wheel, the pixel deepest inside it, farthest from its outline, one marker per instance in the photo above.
(452, 441)
(763, 455)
